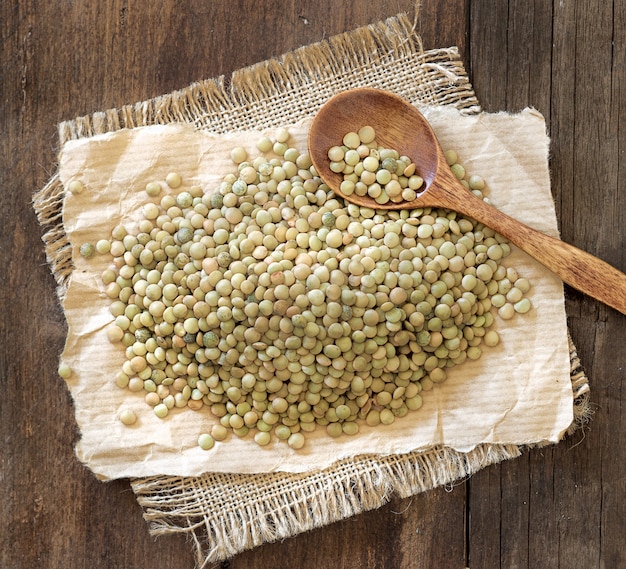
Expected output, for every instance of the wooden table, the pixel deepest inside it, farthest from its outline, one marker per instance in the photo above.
(562, 506)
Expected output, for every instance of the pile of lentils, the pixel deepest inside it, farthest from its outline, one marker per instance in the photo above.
(281, 308)
(372, 170)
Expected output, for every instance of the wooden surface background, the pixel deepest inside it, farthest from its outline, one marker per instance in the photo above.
(559, 507)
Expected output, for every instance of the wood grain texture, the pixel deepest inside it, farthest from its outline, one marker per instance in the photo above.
(572, 496)
(558, 507)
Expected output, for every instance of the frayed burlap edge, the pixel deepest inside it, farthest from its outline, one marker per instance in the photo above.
(228, 513)
(280, 506)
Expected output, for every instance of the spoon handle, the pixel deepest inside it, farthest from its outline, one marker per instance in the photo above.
(577, 268)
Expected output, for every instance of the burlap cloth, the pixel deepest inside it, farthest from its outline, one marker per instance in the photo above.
(228, 513)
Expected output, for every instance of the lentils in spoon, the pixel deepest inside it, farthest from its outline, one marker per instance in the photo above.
(372, 170)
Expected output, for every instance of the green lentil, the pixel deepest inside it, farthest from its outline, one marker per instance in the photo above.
(476, 183)
(173, 180)
(64, 371)
(219, 432)
(128, 417)
(103, 246)
(262, 438)
(206, 441)
(506, 311)
(87, 250)
(451, 157)
(161, 410)
(153, 189)
(522, 306)
(75, 187)
(491, 338)
(296, 441)
(458, 170)
(238, 154)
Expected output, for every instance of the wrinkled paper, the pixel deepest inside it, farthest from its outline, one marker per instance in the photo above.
(517, 393)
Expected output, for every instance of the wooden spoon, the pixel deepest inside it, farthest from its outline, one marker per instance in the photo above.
(399, 125)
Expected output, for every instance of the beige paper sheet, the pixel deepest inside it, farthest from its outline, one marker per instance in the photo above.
(517, 393)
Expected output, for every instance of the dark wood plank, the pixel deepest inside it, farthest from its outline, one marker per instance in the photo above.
(566, 61)
(444, 24)
(594, 204)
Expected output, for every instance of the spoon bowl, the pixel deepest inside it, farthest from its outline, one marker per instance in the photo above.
(393, 118)
(399, 125)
